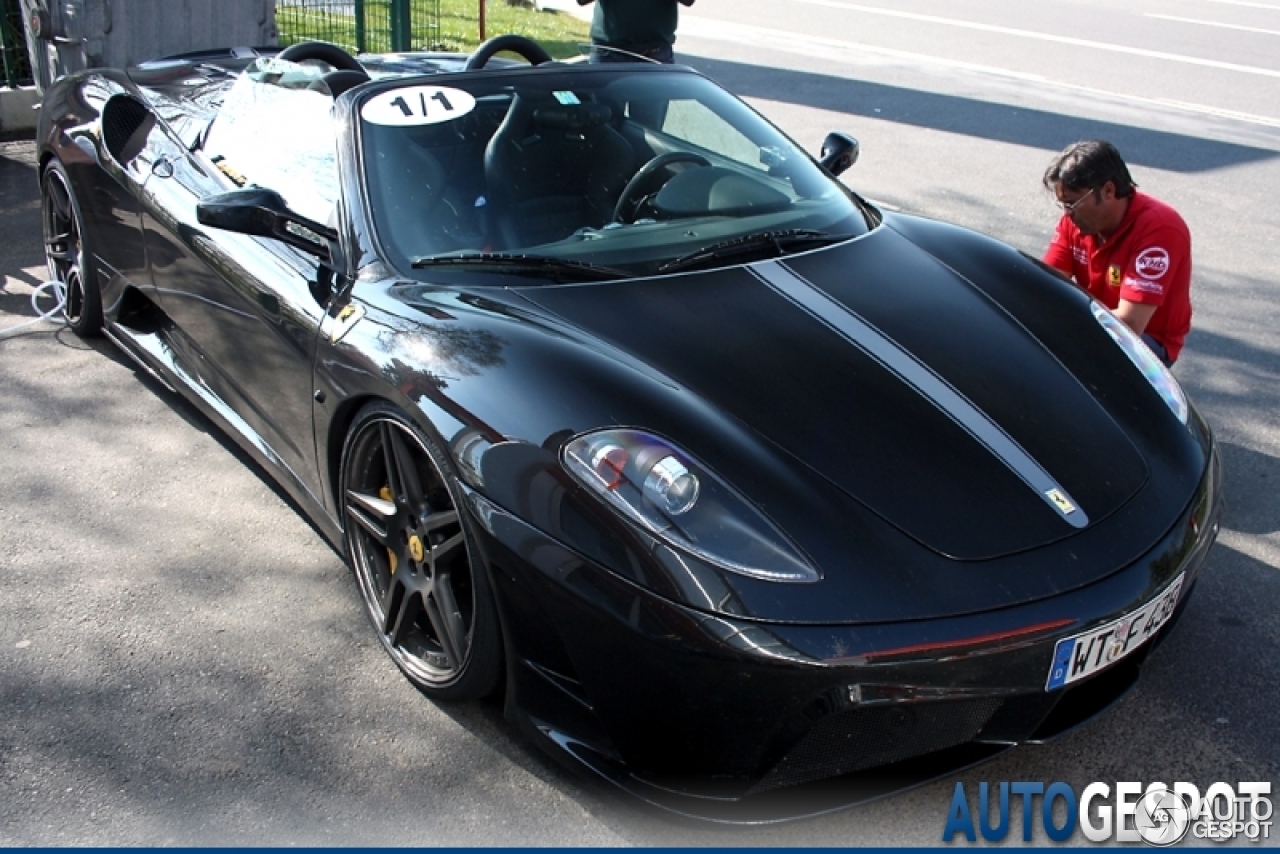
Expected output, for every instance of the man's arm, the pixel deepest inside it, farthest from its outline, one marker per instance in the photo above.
(1161, 260)
(1058, 254)
(1060, 263)
(1136, 315)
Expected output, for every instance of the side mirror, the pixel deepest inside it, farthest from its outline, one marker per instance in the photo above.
(839, 152)
(263, 213)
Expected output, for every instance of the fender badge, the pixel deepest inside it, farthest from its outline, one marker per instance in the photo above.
(230, 171)
(348, 317)
(1059, 500)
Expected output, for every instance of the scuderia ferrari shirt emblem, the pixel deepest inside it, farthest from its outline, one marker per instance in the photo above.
(1114, 275)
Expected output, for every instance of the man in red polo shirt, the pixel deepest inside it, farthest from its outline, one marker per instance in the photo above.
(1130, 251)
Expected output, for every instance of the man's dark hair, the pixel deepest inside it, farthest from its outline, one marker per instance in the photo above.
(1088, 165)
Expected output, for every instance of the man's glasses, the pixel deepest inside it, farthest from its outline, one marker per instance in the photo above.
(1070, 207)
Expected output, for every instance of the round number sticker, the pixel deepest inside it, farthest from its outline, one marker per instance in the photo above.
(417, 105)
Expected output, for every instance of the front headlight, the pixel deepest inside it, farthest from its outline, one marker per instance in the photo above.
(1138, 352)
(664, 491)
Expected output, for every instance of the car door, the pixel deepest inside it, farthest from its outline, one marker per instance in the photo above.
(243, 307)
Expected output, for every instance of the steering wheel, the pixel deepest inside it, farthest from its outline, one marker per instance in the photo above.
(323, 51)
(639, 182)
(525, 47)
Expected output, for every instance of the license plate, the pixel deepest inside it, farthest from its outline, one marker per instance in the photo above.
(1085, 654)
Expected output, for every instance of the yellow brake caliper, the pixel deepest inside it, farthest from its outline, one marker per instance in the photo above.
(385, 495)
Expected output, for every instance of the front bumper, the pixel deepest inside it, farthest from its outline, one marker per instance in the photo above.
(740, 721)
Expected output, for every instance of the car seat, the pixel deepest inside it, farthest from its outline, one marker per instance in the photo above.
(552, 168)
(410, 182)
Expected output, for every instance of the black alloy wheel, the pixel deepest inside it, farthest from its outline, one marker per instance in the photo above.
(65, 248)
(409, 545)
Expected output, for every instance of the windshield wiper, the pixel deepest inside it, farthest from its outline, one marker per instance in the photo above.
(780, 241)
(562, 269)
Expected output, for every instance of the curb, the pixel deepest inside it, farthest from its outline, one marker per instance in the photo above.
(18, 114)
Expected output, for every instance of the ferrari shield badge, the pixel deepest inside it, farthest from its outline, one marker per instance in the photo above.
(340, 325)
(1114, 275)
(1059, 500)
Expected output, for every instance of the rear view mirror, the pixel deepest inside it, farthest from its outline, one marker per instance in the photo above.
(839, 152)
(264, 213)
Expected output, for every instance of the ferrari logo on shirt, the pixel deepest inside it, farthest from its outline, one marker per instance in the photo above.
(1114, 275)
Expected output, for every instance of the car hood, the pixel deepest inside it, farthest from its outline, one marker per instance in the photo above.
(891, 376)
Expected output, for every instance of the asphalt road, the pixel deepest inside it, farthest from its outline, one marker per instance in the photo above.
(184, 661)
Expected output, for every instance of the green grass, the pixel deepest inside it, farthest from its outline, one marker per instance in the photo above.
(458, 27)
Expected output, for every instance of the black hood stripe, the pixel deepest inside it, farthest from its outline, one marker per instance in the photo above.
(837, 317)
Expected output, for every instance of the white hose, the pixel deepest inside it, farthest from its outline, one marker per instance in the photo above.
(59, 293)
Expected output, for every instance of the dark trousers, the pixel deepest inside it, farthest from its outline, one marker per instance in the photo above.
(1156, 347)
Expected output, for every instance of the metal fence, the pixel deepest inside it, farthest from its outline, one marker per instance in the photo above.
(13, 46)
(375, 26)
(358, 25)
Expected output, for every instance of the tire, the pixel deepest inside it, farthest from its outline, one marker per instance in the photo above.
(66, 249)
(409, 544)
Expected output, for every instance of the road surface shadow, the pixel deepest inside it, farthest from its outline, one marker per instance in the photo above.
(1042, 129)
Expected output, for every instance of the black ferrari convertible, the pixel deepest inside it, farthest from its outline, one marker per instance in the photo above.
(749, 497)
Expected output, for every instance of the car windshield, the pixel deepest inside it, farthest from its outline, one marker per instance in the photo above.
(275, 130)
(586, 172)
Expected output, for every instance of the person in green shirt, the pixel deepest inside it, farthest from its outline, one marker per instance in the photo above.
(633, 30)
